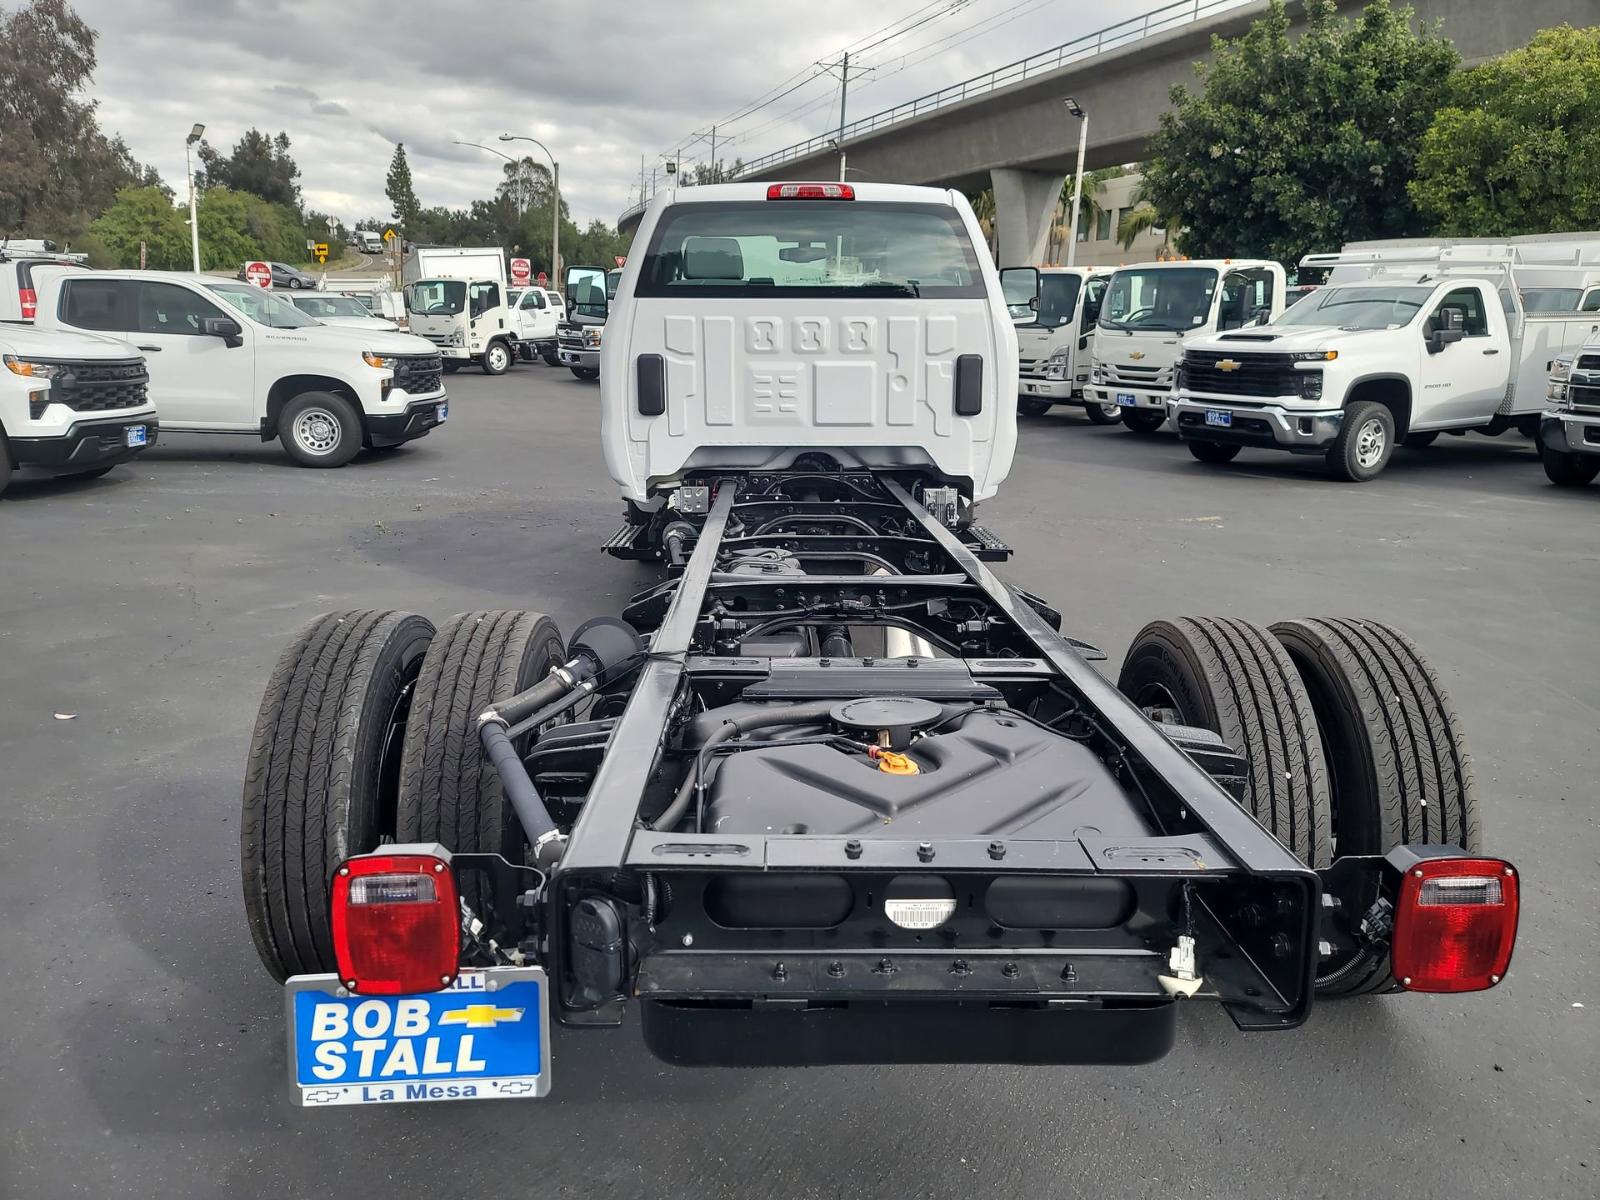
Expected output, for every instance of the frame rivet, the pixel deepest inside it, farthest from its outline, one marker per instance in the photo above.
(688, 939)
(852, 849)
(836, 969)
(1009, 970)
(925, 851)
(997, 850)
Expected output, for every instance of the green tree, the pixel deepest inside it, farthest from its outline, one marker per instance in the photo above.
(1144, 217)
(147, 215)
(1299, 144)
(402, 194)
(1517, 150)
(57, 169)
(259, 164)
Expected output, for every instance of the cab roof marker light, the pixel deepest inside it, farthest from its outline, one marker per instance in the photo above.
(811, 191)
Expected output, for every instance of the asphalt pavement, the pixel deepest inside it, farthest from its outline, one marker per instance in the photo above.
(144, 1045)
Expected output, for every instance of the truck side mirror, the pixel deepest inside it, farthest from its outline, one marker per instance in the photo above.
(1261, 315)
(1033, 303)
(226, 328)
(1452, 331)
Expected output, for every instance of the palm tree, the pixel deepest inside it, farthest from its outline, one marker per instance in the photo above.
(1143, 218)
(1089, 206)
(983, 209)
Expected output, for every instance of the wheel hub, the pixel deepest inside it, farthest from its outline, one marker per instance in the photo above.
(1370, 442)
(317, 431)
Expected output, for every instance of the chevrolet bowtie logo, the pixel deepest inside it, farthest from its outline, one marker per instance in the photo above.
(1136, 355)
(1228, 364)
(480, 1016)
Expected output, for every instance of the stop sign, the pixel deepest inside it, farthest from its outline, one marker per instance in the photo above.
(258, 273)
(521, 272)
(543, 279)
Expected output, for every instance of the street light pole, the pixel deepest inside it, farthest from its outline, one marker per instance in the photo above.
(195, 135)
(555, 216)
(522, 205)
(1077, 186)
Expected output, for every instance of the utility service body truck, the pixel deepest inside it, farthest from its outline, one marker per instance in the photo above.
(70, 403)
(228, 357)
(456, 298)
(831, 791)
(1415, 344)
(1151, 311)
(1055, 309)
(1569, 433)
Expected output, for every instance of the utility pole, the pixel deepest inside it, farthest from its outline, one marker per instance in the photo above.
(1077, 188)
(844, 92)
(643, 199)
(716, 173)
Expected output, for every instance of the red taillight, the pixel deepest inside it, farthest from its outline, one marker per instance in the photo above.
(396, 924)
(1455, 924)
(811, 191)
(30, 303)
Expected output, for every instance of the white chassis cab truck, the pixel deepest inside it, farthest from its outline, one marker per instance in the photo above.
(1150, 311)
(1054, 309)
(227, 357)
(1569, 433)
(456, 298)
(1402, 355)
(70, 403)
(831, 792)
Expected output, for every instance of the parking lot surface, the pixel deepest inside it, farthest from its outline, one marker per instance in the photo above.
(145, 1044)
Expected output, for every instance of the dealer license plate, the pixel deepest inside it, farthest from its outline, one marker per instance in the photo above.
(138, 435)
(1218, 417)
(441, 413)
(486, 1038)
(1127, 399)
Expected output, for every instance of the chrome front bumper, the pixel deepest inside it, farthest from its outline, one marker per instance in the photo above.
(1575, 433)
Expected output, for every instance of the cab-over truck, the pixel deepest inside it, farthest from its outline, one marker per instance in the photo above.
(831, 791)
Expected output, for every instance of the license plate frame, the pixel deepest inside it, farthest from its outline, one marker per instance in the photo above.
(1127, 400)
(487, 995)
(1219, 418)
(136, 436)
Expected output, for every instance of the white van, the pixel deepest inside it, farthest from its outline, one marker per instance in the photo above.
(758, 326)
(227, 357)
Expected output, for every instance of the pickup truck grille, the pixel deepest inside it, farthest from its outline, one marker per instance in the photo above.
(1584, 395)
(1254, 374)
(418, 374)
(1588, 362)
(570, 336)
(101, 386)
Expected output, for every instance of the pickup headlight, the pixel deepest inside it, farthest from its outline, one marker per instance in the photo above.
(380, 361)
(32, 369)
(1311, 385)
(591, 338)
(1560, 369)
(1557, 391)
(1313, 356)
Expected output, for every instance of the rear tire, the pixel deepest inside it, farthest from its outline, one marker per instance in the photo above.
(1213, 452)
(586, 372)
(1103, 414)
(1365, 442)
(448, 792)
(1033, 408)
(550, 360)
(320, 429)
(1400, 768)
(1565, 469)
(321, 775)
(1233, 678)
(1143, 420)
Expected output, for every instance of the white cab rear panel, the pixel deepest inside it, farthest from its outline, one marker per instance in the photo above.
(756, 382)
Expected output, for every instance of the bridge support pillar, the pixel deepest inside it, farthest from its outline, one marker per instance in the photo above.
(1024, 202)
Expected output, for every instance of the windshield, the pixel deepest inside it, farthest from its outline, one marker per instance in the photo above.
(330, 306)
(790, 248)
(1358, 307)
(1551, 299)
(1169, 298)
(261, 307)
(437, 298)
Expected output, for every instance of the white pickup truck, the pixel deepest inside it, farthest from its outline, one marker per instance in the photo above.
(1054, 309)
(70, 403)
(1151, 311)
(1357, 367)
(227, 357)
(535, 313)
(1569, 433)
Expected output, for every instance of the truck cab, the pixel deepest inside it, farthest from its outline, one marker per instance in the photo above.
(456, 298)
(756, 327)
(1149, 312)
(535, 315)
(1055, 309)
(590, 291)
(1397, 354)
(229, 358)
(1569, 431)
(70, 403)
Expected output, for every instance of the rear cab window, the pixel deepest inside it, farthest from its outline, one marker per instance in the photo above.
(810, 249)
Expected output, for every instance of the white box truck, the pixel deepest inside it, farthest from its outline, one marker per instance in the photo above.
(456, 298)
(1151, 310)
(1054, 309)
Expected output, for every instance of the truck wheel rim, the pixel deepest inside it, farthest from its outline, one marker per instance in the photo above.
(316, 431)
(497, 357)
(1110, 410)
(1370, 443)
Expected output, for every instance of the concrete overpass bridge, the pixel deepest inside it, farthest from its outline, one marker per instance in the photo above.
(1008, 128)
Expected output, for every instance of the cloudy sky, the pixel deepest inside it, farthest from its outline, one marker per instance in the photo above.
(600, 82)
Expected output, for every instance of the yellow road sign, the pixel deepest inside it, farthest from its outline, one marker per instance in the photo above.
(321, 251)
(388, 235)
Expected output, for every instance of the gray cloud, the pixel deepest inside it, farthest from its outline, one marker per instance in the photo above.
(600, 82)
